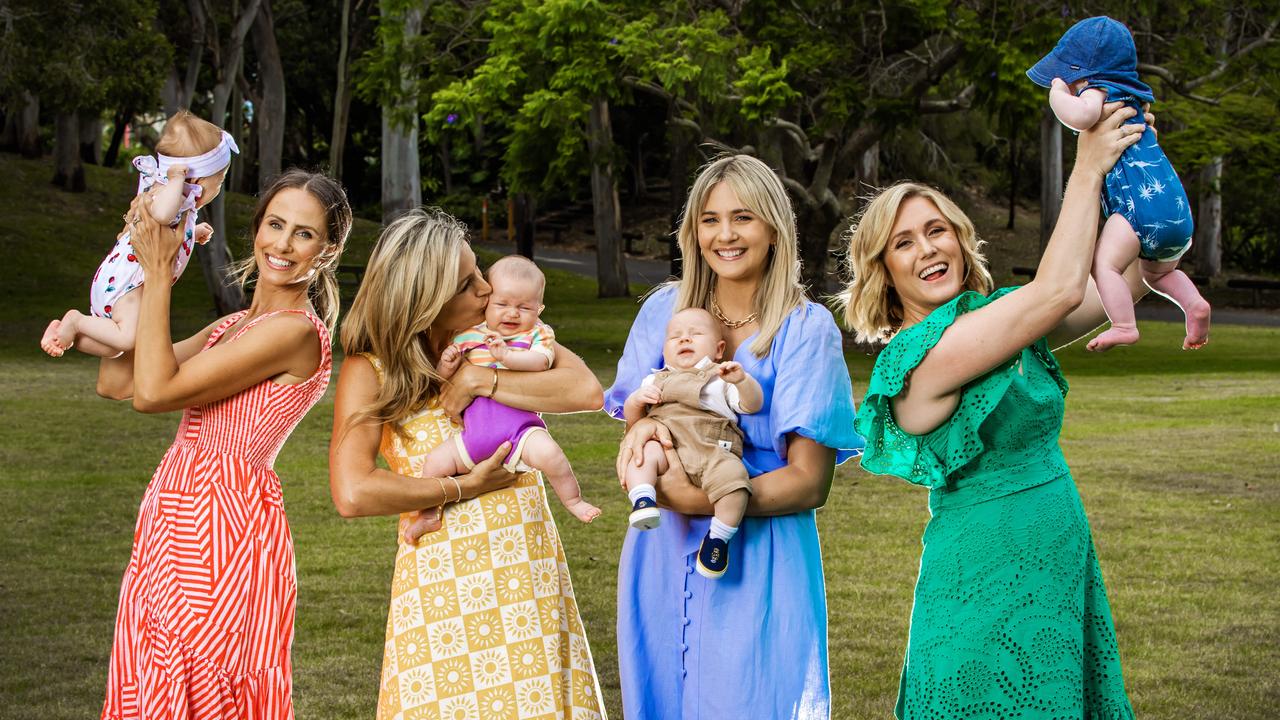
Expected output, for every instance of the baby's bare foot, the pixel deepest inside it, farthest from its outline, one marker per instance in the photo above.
(583, 510)
(1113, 337)
(1197, 325)
(53, 341)
(424, 521)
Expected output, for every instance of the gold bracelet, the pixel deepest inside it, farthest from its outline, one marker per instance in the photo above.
(494, 388)
(457, 487)
(444, 496)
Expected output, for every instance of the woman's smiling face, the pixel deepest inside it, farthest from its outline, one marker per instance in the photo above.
(734, 241)
(923, 259)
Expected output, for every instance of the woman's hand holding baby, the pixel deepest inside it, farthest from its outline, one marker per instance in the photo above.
(155, 245)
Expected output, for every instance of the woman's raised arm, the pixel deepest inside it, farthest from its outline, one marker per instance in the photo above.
(980, 340)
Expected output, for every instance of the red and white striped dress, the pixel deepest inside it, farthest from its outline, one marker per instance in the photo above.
(205, 623)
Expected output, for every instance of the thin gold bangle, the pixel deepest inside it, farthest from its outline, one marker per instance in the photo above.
(457, 487)
(444, 496)
(494, 387)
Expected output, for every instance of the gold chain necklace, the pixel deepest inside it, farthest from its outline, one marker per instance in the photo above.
(731, 324)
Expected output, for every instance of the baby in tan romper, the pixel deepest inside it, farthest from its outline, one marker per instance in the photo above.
(696, 398)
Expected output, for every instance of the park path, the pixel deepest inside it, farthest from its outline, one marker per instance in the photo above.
(650, 272)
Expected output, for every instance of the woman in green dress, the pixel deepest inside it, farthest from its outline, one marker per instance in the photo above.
(1010, 616)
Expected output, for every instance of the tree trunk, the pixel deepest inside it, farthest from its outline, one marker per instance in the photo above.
(91, 138)
(678, 176)
(640, 189)
(238, 175)
(171, 91)
(341, 99)
(523, 208)
(9, 137)
(215, 257)
(1013, 172)
(29, 126)
(122, 120)
(611, 270)
(68, 172)
(401, 179)
(814, 227)
(269, 116)
(1208, 237)
(1050, 174)
(868, 170)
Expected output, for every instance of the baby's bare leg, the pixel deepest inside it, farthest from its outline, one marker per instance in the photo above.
(441, 462)
(543, 453)
(100, 337)
(732, 507)
(1117, 247)
(1166, 279)
(640, 480)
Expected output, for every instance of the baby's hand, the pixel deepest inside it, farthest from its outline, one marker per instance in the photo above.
(497, 346)
(732, 372)
(647, 395)
(204, 231)
(177, 172)
(450, 361)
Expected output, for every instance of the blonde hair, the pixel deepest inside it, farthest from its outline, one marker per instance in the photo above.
(761, 192)
(872, 308)
(412, 274)
(322, 290)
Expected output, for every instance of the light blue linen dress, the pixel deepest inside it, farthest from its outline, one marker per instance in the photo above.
(752, 643)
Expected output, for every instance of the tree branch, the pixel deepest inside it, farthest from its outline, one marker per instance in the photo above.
(961, 101)
(1185, 88)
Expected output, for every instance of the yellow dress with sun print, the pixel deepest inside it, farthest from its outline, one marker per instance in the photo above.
(483, 622)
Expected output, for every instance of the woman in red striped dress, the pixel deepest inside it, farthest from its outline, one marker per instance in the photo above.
(205, 622)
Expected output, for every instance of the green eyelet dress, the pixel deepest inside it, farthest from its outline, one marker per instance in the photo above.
(1010, 618)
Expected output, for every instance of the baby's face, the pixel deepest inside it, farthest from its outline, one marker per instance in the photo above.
(691, 335)
(210, 187)
(514, 305)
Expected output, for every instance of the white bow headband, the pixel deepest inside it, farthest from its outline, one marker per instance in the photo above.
(155, 168)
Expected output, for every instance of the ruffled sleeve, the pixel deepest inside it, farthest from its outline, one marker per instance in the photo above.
(930, 459)
(643, 351)
(812, 395)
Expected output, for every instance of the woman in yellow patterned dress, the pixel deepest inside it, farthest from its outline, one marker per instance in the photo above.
(483, 622)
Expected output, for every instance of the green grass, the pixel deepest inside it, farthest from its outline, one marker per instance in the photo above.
(1175, 454)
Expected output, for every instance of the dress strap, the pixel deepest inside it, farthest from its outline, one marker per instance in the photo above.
(230, 320)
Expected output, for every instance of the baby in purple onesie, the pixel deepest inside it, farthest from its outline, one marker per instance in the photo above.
(511, 338)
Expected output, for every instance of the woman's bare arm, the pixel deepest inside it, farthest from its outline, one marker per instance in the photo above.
(115, 375)
(1090, 315)
(980, 340)
(802, 484)
(279, 345)
(568, 386)
(359, 487)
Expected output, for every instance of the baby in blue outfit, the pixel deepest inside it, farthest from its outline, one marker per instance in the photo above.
(1148, 216)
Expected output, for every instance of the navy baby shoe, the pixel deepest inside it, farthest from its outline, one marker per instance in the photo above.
(713, 557)
(644, 514)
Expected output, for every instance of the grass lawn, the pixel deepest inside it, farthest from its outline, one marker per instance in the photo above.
(1175, 454)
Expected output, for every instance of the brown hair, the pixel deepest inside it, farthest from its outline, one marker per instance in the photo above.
(323, 290)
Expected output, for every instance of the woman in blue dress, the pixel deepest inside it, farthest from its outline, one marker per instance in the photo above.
(752, 643)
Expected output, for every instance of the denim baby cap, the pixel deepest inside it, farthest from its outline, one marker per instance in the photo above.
(1097, 49)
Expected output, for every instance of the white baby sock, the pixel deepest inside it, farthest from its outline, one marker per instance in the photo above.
(720, 531)
(642, 491)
